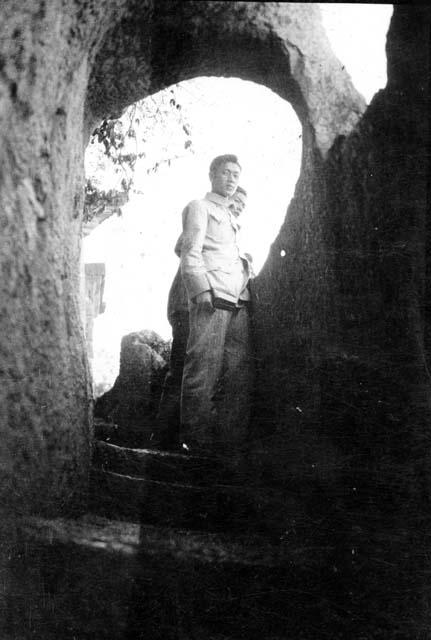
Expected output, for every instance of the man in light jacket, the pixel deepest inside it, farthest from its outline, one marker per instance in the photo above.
(178, 316)
(218, 359)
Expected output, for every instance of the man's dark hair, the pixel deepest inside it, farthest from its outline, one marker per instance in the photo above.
(228, 157)
(241, 190)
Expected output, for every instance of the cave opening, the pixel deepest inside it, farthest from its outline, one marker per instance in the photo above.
(128, 249)
(129, 257)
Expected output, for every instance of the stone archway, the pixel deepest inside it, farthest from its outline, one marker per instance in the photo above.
(64, 69)
(281, 46)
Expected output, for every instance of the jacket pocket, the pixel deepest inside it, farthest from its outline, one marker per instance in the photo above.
(215, 215)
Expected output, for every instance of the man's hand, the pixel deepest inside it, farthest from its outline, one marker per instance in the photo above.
(204, 298)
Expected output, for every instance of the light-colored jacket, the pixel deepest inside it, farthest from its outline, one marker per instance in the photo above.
(210, 256)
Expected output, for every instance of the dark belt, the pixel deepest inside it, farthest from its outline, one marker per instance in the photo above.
(221, 303)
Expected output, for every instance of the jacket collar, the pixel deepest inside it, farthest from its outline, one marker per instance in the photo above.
(224, 202)
(217, 199)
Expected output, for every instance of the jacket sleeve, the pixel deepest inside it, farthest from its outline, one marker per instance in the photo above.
(193, 270)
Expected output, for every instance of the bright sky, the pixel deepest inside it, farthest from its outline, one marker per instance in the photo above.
(227, 116)
(357, 33)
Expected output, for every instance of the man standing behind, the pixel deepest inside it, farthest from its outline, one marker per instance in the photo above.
(218, 358)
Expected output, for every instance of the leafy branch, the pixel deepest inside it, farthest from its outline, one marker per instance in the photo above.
(152, 132)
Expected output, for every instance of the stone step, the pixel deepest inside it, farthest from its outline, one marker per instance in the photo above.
(129, 539)
(96, 578)
(202, 508)
(164, 466)
(141, 436)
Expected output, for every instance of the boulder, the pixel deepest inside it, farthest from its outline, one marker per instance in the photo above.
(130, 407)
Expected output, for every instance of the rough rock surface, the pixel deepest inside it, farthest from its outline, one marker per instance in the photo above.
(280, 45)
(45, 56)
(131, 405)
(342, 314)
(343, 327)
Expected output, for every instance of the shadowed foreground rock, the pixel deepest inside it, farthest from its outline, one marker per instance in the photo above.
(104, 579)
(131, 405)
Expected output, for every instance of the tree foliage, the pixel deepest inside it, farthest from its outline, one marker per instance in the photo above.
(150, 133)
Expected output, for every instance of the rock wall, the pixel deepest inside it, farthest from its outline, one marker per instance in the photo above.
(45, 57)
(342, 325)
(280, 45)
(345, 287)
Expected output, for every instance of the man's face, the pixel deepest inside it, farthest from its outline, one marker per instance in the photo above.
(239, 200)
(224, 179)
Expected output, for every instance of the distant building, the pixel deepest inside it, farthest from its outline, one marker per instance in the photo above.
(94, 305)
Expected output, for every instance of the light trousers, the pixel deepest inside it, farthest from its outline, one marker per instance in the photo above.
(217, 379)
